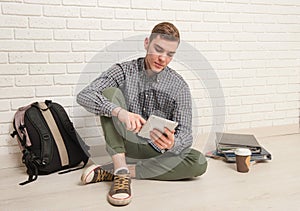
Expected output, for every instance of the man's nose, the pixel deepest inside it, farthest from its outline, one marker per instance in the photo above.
(162, 57)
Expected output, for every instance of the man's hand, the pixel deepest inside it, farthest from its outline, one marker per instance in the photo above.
(163, 140)
(133, 122)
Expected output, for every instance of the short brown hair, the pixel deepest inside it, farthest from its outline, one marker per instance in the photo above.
(166, 30)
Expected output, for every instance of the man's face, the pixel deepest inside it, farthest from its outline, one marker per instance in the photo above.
(160, 53)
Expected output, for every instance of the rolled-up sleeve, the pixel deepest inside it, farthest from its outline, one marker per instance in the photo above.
(91, 97)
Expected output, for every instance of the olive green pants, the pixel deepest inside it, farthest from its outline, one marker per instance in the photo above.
(150, 164)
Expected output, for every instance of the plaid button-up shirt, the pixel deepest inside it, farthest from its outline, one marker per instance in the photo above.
(166, 95)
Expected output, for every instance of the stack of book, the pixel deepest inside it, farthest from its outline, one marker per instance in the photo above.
(227, 143)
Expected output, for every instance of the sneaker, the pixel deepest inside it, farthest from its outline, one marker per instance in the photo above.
(120, 191)
(96, 173)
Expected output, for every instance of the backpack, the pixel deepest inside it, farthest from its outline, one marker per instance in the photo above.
(48, 140)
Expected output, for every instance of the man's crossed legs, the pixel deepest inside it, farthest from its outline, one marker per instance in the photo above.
(133, 157)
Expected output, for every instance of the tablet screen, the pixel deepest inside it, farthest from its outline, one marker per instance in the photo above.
(156, 122)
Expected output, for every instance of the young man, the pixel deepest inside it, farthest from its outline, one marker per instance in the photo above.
(125, 96)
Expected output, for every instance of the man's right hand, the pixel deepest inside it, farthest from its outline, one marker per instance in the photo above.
(133, 122)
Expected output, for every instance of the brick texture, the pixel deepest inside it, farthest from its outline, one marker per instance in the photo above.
(246, 68)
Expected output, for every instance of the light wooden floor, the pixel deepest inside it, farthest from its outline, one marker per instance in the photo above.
(273, 185)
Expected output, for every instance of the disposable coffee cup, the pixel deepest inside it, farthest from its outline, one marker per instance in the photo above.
(242, 156)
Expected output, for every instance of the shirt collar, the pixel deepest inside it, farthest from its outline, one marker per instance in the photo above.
(157, 77)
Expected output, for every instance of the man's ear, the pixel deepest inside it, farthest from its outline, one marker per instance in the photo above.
(146, 43)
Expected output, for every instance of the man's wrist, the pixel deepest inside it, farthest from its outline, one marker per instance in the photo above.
(119, 112)
(116, 111)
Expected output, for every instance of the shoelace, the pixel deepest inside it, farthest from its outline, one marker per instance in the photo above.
(121, 183)
(103, 175)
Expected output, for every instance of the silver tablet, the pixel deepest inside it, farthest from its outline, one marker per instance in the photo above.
(156, 122)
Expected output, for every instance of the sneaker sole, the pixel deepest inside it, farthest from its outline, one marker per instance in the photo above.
(119, 202)
(89, 171)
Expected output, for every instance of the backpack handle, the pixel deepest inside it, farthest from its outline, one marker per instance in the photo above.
(47, 102)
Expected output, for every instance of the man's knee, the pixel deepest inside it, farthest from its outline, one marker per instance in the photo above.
(200, 167)
(197, 162)
(111, 93)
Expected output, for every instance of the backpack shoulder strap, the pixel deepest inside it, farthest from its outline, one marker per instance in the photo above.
(36, 119)
(63, 154)
(20, 127)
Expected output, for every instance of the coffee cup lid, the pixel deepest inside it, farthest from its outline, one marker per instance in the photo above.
(243, 151)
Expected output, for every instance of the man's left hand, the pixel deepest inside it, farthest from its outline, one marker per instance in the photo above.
(163, 140)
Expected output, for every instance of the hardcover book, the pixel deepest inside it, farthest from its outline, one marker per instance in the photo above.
(228, 142)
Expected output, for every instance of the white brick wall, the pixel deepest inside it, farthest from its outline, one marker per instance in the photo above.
(252, 46)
